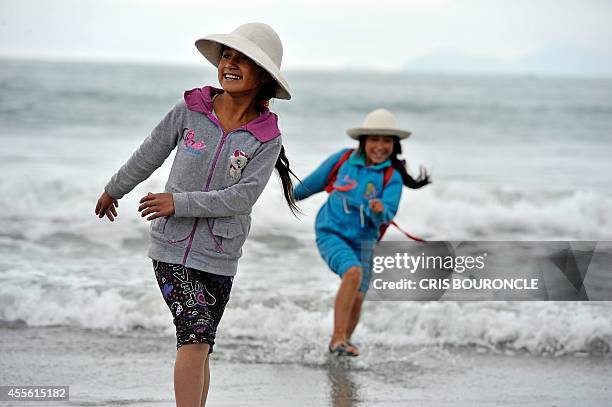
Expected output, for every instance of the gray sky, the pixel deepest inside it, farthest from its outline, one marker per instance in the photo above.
(383, 34)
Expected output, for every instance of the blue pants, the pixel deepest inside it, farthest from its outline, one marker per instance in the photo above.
(340, 255)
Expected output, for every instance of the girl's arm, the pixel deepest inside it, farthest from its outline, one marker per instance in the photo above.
(237, 199)
(317, 180)
(390, 200)
(150, 155)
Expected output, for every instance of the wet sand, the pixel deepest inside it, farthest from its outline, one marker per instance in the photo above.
(103, 369)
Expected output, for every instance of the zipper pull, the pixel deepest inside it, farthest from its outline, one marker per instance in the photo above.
(361, 217)
(345, 206)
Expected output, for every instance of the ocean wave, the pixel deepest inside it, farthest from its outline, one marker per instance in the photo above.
(294, 329)
(506, 168)
(460, 211)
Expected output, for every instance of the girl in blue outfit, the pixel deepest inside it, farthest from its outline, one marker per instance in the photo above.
(364, 195)
(227, 144)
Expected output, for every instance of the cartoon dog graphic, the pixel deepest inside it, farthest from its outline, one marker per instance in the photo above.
(238, 161)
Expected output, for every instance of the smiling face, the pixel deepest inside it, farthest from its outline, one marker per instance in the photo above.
(378, 149)
(237, 73)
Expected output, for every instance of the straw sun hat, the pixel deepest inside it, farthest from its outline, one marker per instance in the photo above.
(257, 41)
(379, 122)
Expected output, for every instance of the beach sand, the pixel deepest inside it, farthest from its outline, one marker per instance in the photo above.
(105, 369)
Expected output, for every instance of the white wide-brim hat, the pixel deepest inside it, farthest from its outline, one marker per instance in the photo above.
(257, 41)
(379, 122)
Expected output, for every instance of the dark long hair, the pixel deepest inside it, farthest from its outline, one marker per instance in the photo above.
(424, 177)
(262, 100)
(267, 92)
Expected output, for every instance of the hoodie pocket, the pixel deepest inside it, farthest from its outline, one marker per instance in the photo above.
(230, 233)
(172, 230)
(159, 225)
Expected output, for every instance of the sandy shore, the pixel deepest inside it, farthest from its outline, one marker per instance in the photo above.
(103, 369)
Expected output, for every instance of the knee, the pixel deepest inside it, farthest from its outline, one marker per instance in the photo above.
(353, 275)
(199, 349)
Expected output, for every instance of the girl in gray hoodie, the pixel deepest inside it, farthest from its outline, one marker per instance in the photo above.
(228, 143)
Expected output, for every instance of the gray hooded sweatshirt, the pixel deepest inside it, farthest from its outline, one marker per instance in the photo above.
(215, 180)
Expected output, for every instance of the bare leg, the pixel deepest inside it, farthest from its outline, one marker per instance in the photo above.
(355, 314)
(344, 302)
(206, 382)
(189, 374)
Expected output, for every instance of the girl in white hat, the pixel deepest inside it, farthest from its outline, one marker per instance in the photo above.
(365, 187)
(227, 144)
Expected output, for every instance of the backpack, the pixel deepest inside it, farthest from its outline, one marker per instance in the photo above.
(333, 175)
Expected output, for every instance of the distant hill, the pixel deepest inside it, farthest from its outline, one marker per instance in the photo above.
(550, 61)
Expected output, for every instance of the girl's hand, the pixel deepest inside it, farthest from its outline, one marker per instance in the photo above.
(157, 204)
(107, 206)
(376, 205)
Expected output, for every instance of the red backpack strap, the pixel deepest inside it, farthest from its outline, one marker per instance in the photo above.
(381, 231)
(386, 178)
(388, 174)
(333, 175)
(383, 228)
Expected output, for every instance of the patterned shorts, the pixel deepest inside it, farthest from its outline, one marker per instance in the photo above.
(196, 299)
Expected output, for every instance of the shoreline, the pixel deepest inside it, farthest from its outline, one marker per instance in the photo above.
(106, 369)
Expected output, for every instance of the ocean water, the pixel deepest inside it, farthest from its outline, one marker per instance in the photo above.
(512, 158)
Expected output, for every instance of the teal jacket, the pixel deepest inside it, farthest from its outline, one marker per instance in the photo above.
(347, 213)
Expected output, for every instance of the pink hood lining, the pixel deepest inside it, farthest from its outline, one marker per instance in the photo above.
(264, 128)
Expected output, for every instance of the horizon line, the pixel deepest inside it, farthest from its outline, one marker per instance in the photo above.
(405, 69)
